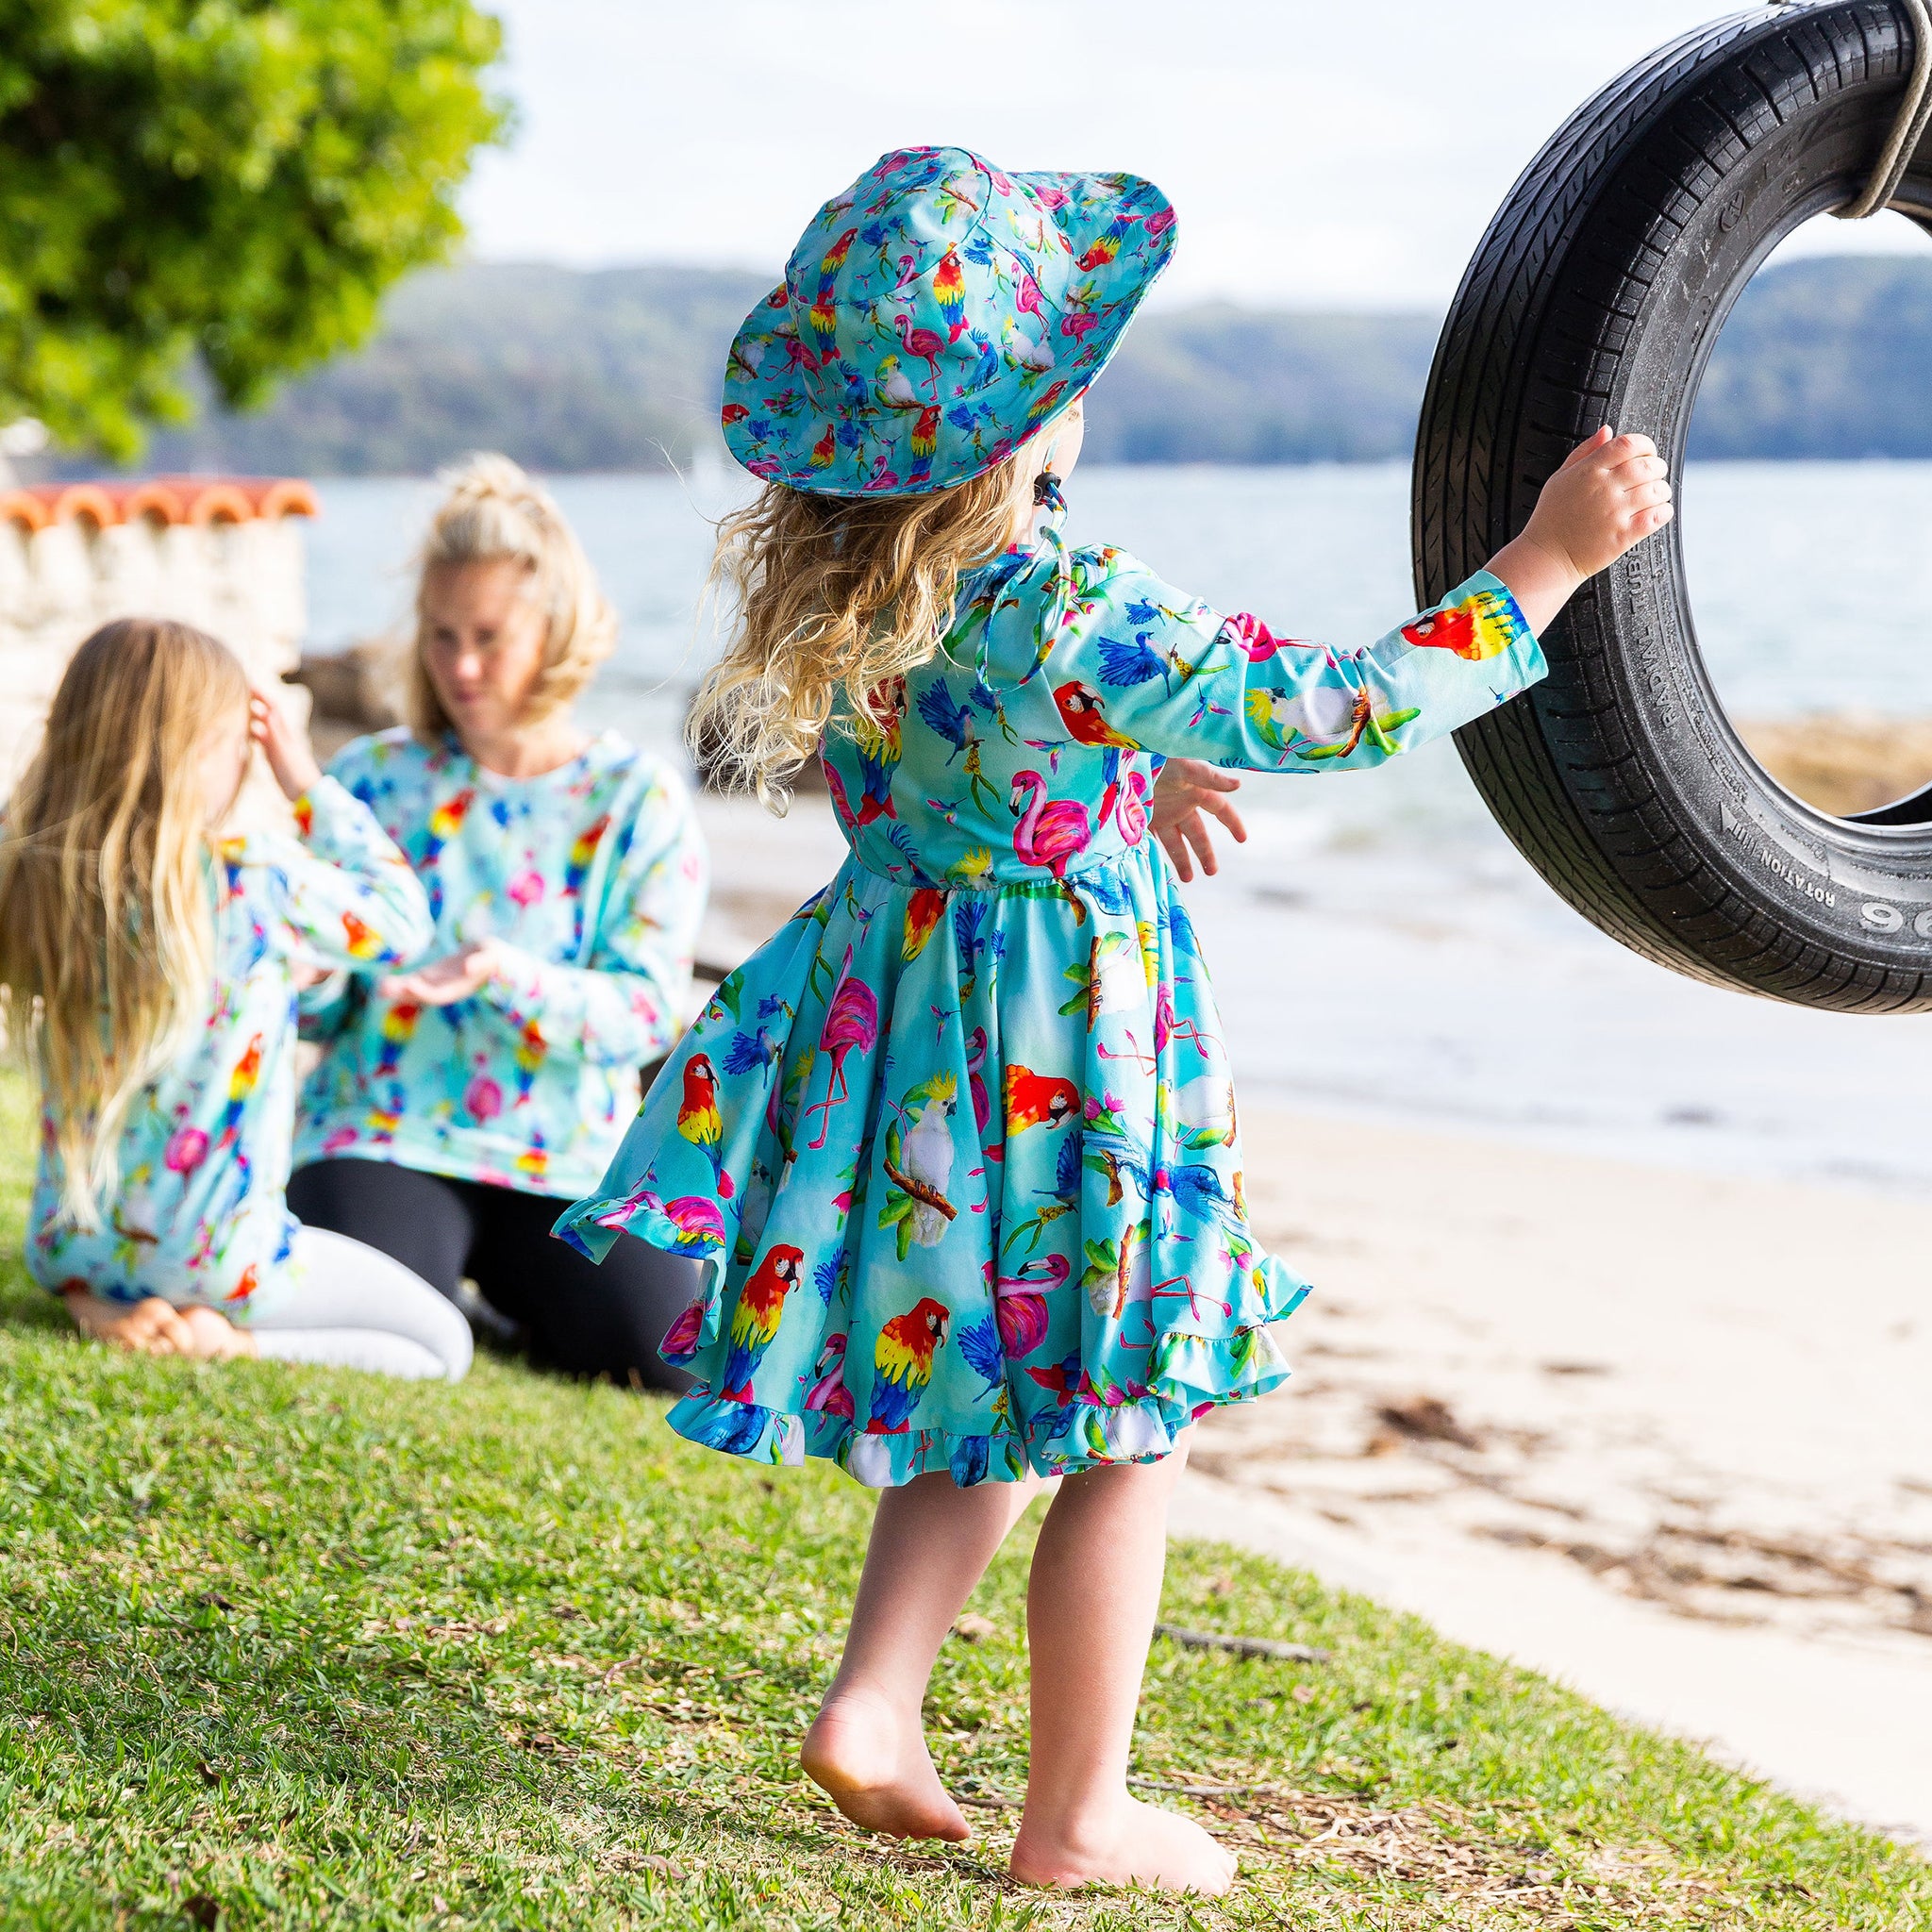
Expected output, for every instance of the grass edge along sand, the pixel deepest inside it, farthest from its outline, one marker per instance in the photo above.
(307, 1648)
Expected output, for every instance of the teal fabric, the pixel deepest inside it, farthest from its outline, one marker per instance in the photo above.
(933, 316)
(960, 1142)
(199, 1214)
(592, 877)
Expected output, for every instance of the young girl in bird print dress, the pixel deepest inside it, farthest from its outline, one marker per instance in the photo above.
(959, 1143)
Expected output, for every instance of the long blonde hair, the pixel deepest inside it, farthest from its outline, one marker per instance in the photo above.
(106, 931)
(833, 593)
(496, 513)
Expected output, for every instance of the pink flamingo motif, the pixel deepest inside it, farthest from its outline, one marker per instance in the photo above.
(883, 474)
(829, 1394)
(1051, 831)
(1028, 300)
(924, 346)
(1130, 813)
(977, 1045)
(1166, 1026)
(1020, 1303)
(186, 1150)
(852, 1025)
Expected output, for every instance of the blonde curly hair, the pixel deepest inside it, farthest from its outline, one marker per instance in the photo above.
(496, 513)
(833, 595)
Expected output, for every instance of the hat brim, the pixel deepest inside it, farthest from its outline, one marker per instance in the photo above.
(1118, 232)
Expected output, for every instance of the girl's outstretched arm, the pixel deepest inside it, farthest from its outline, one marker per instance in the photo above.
(1137, 665)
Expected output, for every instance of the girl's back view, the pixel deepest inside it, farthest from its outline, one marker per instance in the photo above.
(155, 963)
(961, 1141)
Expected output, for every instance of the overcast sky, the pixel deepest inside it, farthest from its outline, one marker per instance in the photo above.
(1321, 155)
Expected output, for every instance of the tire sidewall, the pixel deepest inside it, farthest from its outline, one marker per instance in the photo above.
(1860, 894)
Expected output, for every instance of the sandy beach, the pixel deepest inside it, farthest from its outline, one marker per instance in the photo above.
(1657, 1430)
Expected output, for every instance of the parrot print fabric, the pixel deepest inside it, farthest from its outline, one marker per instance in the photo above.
(933, 316)
(594, 877)
(199, 1214)
(960, 1142)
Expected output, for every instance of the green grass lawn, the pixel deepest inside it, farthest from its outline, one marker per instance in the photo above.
(284, 1647)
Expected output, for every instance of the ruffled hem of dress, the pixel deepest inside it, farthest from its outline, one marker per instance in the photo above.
(1094, 1426)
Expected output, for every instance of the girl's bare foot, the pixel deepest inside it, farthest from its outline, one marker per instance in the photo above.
(215, 1337)
(873, 1765)
(1130, 1843)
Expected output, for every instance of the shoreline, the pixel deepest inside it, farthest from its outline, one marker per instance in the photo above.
(1661, 1435)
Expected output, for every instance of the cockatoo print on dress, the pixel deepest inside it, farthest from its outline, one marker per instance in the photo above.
(919, 1165)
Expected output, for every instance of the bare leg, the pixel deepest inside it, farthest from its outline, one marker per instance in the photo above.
(1091, 1606)
(931, 1541)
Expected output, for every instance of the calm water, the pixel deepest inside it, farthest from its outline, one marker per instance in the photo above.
(1430, 971)
(1813, 582)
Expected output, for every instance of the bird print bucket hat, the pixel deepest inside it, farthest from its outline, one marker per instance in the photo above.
(932, 316)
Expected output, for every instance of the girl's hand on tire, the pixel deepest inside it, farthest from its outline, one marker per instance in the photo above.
(1612, 494)
(1185, 790)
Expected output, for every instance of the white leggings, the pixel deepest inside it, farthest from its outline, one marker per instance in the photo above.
(345, 1304)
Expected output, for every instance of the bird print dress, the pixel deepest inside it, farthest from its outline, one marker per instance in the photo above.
(960, 1143)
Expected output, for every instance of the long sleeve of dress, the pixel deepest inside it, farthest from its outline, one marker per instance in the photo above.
(624, 1003)
(345, 895)
(1138, 665)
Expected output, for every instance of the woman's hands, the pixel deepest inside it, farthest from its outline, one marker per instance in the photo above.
(1612, 494)
(458, 976)
(285, 748)
(1185, 789)
(156, 1328)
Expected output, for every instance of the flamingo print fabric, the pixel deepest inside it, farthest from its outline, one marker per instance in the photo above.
(594, 877)
(933, 316)
(199, 1214)
(960, 1140)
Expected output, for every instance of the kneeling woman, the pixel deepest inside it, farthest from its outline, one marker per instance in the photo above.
(458, 1108)
(153, 966)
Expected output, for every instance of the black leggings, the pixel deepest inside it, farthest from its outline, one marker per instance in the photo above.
(583, 1318)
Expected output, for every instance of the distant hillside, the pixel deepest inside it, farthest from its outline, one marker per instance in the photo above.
(1830, 357)
(618, 369)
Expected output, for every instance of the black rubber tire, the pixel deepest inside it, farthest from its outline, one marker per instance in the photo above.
(1596, 296)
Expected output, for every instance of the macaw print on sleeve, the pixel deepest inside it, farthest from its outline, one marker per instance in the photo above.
(1482, 625)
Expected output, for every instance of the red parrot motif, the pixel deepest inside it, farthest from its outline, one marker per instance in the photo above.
(755, 1320)
(1083, 711)
(698, 1119)
(903, 1362)
(1038, 1100)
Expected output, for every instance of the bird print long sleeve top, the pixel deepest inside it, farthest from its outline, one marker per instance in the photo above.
(592, 878)
(198, 1214)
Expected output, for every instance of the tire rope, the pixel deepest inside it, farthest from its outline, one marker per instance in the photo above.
(1914, 117)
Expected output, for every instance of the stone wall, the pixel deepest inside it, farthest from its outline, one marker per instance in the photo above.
(221, 553)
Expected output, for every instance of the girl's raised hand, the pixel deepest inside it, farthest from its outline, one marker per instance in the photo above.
(1612, 494)
(1185, 790)
(285, 748)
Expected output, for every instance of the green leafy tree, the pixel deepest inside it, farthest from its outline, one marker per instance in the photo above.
(223, 178)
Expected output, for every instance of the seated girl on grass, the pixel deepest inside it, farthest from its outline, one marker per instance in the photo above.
(151, 965)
